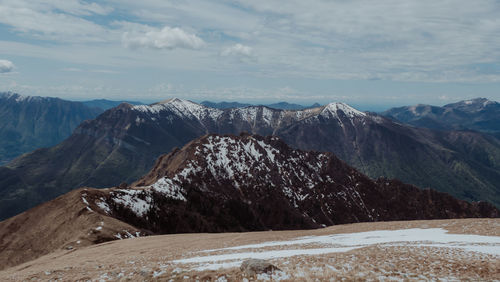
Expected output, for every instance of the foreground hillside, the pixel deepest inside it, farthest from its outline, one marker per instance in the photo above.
(222, 184)
(122, 144)
(466, 249)
(28, 123)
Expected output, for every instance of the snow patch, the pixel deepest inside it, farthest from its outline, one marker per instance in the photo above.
(103, 205)
(433, 237)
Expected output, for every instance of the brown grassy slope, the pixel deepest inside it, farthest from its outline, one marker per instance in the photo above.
(139, 258)
(55, 225)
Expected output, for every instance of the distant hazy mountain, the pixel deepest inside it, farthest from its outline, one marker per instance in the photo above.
(107, 104)
(224, 105)
(123, 143)
(478, 114)
(286, 106)
(28, 123)
(280, 105)
(225, 183)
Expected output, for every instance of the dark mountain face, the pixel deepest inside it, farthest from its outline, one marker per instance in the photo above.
(122, 144)
(478, 114)
(28, 123)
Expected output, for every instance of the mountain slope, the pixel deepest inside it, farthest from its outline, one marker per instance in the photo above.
(123, 143)
(28, 123)
(226, 183)
(478, 114)
(63, 223)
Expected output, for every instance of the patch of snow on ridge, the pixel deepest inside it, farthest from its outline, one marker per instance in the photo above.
(151, 109)
(267, 115)
(196, 110)
(230, 156)
(271, 152)
(133, 199)
(169, 189)
(85, 200)
(349, 111)
(249, 113)
(103, 205)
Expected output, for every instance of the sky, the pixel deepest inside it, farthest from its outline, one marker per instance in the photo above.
(363, 52)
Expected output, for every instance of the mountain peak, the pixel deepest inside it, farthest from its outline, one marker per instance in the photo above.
(472, 105)
(335, 107)
(182, 108)
(19, 98)
(172, 101)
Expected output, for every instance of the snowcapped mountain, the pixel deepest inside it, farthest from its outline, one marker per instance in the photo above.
(246, 182)
(30, 122)
(220, 183)
(122, 144)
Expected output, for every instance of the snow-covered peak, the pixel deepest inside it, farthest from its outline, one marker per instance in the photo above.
(18, 97)
(183, 108)
(333, 108)
(244, 161)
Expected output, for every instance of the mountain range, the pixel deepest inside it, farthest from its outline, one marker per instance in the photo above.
(221, 183)
(31, 122)
(122, 144)
(279, 105)
(478, 114)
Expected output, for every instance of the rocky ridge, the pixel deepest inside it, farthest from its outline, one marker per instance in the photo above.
(122, 144)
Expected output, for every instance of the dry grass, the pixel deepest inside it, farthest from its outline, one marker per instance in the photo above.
(149, 259)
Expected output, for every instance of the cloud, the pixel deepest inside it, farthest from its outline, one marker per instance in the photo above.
(238, 50)
(165, 38)
(60, 20)
(6, 66)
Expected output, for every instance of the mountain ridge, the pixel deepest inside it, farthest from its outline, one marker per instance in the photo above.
(479, 114)
(279, 105)
(225, 183)
(32, 122)
(123, 143)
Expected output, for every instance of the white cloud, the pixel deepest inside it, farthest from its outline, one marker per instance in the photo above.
(59, 20)
(238, 50)
(165, 38)
(6, 66)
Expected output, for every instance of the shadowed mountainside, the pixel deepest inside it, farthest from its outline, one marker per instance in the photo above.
(123, 143)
